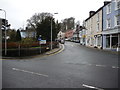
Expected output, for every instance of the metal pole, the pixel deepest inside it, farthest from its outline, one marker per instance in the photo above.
(5, 33)
(40, 43)
(40, 46)
(118, 43)
(19, 50)
(110, 41)
(51, 33)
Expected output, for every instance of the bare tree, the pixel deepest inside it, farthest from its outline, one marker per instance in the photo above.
(36, 19)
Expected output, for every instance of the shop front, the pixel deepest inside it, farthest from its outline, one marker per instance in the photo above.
(111, 41)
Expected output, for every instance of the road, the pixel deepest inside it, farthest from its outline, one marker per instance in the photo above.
(75, 67)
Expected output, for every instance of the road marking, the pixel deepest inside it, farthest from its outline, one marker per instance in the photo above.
(3, 59)
(90, 64)
(92, 87)
(97, 65)
(100, 66)
(57, 51)
(115, 67)
(15, 69)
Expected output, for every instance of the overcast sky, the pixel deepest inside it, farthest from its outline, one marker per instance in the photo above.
(18, 11)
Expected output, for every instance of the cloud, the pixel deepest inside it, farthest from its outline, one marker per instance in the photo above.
(18, 11)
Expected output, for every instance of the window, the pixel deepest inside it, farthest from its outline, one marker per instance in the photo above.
(98, 17)
(108, 23)
(114, 42)
(107, 41)
(99, 41)
(117, 20)
(109, 8)
(117, 4)
(97, 26)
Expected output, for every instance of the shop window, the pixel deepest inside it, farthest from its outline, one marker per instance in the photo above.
(108, 41)
(114, 41)
(99, 41)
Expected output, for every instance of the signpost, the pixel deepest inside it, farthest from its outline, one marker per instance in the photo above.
(39, 39)
(41, 42)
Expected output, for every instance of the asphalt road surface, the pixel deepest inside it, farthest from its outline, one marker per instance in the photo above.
(75, 67)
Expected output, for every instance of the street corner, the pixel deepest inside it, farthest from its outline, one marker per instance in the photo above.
(56, 50)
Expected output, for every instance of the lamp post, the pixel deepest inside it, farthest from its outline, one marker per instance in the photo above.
(40, 42)
(51, 32)
(5, 33)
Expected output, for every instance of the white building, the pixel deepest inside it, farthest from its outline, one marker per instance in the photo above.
(61, 35)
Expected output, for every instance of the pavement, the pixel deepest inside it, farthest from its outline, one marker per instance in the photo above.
(61, 46)
(51, 52)
(104, 50)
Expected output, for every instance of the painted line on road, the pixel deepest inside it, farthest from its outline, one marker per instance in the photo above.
(3, 59)
(57, 51)
(92, 87)
(115, 67)
(97, 65)
(100, 65)
(16, 69)
(89, 64)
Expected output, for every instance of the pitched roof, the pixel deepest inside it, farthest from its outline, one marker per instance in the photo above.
(97, 11)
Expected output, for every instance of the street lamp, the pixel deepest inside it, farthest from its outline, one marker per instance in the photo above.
(51, 32)
(5, 33)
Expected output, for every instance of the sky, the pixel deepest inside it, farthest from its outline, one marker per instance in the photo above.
(18, 11)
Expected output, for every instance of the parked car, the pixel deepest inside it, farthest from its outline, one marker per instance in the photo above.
(77, 41)
(66, 39)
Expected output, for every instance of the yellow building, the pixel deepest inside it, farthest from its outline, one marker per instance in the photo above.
(93, 26)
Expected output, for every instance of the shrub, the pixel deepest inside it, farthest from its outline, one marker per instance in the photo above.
(10, 45)
(27, 44)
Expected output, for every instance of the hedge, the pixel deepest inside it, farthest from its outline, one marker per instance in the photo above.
(25, 49)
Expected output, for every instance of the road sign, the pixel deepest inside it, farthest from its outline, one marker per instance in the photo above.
(43, 42)
(39, 39)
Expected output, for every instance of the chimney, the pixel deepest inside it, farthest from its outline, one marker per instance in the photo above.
(106, 2)
(91, 13)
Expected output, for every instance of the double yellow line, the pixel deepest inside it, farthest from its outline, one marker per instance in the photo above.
(57, 51)
(3, 59)
(53, 53)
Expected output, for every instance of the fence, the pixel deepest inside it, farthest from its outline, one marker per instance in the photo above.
(17, 50)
